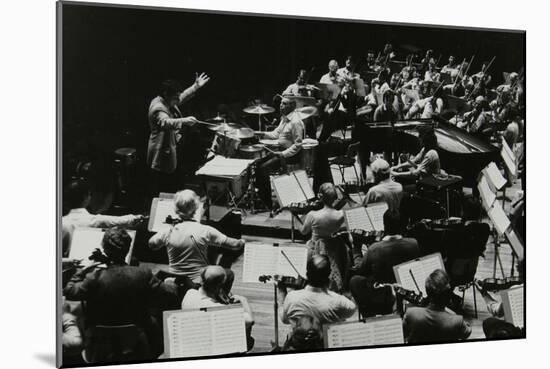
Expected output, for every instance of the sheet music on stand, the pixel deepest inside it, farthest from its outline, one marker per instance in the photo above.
(204, 332)
(421, 268)
(495, 178)
(224, 167)
(86, 239)
(369, 218)
(515, 242)
(161, 208)
(498, 218)
(488, 197)
(293, 187)
(513, 304)
(328, 91)
(509, 158)
(381, 330)
(262, 259)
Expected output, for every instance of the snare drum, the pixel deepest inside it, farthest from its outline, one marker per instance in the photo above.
(225, 145)
(309, 152)
(252, 152)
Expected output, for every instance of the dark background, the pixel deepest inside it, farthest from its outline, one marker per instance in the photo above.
(114, 59)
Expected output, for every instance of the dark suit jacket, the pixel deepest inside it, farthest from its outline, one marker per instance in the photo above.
(382, 256)
(425, 325)
(119, 294)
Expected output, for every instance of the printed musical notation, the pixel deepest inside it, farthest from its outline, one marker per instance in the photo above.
(261, 259)
(205, 332)
(385, 330)
(370, 218)
(161, 208)
(85, 240)
(420, 268)
(513, 304)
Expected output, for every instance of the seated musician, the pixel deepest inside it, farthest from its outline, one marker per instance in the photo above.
(212, 293)
(482, 75)
(348, 71)
(425, 163)
(427, 60)
(431, 73)
(451, 67)
(118, 294)
(300, 87)
(495, 326)
(189, 243)
(289, 133)
(316, 301)
(377, 266)
(322, 224)
(477, 119)
(426, 107)
(385, 189)
(332, 76)
(76, 198)
(434, 323)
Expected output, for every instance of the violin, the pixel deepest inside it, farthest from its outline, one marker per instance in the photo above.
(408, 295)
(361, 236)
(285, 281)
(498, 284)
(305, 207)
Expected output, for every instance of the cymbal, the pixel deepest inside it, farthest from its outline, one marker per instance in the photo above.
(259, 109)
(216, 119)
(302, 113)
(243, 133)
(225, 127)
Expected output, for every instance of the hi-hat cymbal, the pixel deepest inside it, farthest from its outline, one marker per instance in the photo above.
(243, 133)
(225, 127)
(259, 109)
(302, 113)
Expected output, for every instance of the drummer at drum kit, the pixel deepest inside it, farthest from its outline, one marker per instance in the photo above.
(289, 135)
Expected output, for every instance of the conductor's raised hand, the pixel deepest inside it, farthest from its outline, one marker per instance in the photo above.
(201, 80)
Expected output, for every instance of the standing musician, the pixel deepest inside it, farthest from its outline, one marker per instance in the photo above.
(189, 242)
(332, 77)
(322, 224)
(289, 133)
(377, 266)
(434, 323)
(165, 119)
(341, 111)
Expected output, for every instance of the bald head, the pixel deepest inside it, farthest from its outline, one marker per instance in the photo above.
(213, 278)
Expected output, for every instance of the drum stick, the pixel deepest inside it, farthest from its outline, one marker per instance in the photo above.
(208, 124)
(268, 149)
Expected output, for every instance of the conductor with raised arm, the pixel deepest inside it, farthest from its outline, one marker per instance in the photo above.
(165, 120)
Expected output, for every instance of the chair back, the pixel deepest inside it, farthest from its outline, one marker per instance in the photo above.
(118, 343)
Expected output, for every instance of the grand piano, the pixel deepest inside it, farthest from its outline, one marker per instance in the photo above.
(460, 152)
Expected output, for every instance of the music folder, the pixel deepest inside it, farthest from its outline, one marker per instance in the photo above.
(516, 243)
(208, 331)
(499, 218)
(488, 196)
(509, 158)
(86, 239)
(368, 218)
(380, 330)
(495, 179)
(513, 305)
(420, 269)
(161, 208)
(292, 188)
